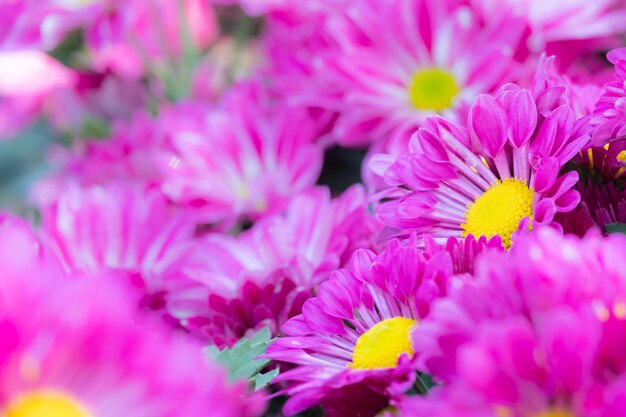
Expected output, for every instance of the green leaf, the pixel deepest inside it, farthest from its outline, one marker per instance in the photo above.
(615, 228)
(262, 380)
(95, 128)
(242, 361)
(67, 49)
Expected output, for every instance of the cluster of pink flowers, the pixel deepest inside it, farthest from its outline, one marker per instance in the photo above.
(422, 202)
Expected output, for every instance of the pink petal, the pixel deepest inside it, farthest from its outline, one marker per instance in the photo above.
(487, 125)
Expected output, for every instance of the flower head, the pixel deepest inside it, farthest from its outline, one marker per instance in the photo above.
(134, 153)
(499, 175)
(516, 323)
(234, 285)
(353, 336)
(28, 80)
(424, 57)
(610, 113)
(252, 156)
(135, 36)
(78, 348)
(128, 229)
(552, 21)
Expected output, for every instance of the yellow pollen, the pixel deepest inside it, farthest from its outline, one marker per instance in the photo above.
(499, 210)
(555, 413)
(45, 404)
(602, 313)
(382, 345)
(590, 155)
(619, 310)
(621, 156)
(433, 89)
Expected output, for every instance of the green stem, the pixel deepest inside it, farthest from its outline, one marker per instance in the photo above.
(419, 386)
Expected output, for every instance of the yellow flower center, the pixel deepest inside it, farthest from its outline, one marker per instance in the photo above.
(382, 345)
(556, 413)
(433, 89)
(45, 404)
(499, 210)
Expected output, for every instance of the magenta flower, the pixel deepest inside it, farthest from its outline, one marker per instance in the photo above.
(555, 21)
(27, 81)
(610, 114)
(135, 153)
(425, 57)
(499, 175)
(543, 273)
(136, 36)
(352, 338)
(128, 229)
(513, 367)
(605, 204)
(463, 252)
(262, 277)
(42, 24)
(609, 161)
(252, 157)
(539, 332)
(78, 348)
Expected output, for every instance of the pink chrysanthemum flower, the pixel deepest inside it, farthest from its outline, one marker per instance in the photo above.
(42, 24)
(606, 204)
(609, 161)
(251, 155)
(610, 113)
(544, 272)
(135, 36)
(425, 57)
(498, 176)
(128, 229)
(537, 333)
(354, 333)
(236, 285)
(27, 80)
(463, 252)
(555, 21)
(134, 153)
(601, 205)
(77, 348)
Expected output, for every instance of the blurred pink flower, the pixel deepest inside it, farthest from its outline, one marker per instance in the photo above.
(236, 285)
(27, 80)
(538, 331)
(134, 35)
(97, 98)
(135, 153)
(79, 348)
(242, 160)
(128, 229)
(395, 63)
(609, 121)
(555, 20)
(42, 24)
(500, 175)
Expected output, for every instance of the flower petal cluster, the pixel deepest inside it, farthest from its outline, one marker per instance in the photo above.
(537, 332)
(351, 338)
(94, 360)
(496, 176)
(232, 286)
(252, 157)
